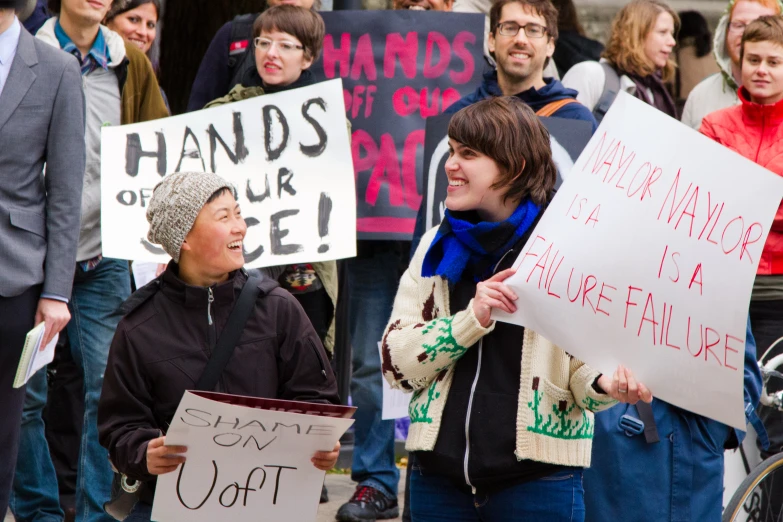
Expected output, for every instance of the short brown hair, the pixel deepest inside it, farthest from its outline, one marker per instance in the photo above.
(763, 29)
(305, 25)
(542, 8)
(625, 49)
(509, 132)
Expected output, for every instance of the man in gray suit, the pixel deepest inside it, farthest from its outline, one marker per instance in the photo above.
(41, 122)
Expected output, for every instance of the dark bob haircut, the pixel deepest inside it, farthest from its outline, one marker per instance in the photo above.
(509, 132)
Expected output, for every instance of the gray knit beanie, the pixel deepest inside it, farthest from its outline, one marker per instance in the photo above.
(175, 204)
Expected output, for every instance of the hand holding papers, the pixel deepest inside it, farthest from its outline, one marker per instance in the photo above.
(33, 358)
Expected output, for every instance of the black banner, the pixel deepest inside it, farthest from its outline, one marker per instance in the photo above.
(398, 69)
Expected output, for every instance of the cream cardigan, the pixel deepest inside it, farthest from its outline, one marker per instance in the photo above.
(423, 342)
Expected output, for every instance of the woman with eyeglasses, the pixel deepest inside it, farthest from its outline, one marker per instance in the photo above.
(288, 39)
(639, 52)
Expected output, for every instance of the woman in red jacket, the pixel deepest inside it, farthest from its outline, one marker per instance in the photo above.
(755, 129)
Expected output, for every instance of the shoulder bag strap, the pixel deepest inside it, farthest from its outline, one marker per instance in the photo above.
(230, 336)
(550, 108)
(610, 92)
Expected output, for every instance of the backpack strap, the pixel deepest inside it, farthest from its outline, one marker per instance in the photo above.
(550, 108)
(240, 47)
(610, 92)
(231, 333)
(241, 36)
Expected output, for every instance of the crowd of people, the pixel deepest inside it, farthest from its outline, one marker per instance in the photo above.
(70, 67)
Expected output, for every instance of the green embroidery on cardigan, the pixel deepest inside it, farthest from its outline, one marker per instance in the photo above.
(593, 404)
(419, 413)
(444, 342)
(557, 424)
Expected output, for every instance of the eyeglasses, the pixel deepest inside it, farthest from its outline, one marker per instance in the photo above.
(737, 27)
(285, 47)
(531, 30)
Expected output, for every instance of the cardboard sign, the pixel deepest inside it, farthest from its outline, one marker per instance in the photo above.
(568, 139)
(398, 68)
(646, 257)
(287, 154)
(248, 459)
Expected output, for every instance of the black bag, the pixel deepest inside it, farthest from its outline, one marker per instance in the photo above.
(125, 492)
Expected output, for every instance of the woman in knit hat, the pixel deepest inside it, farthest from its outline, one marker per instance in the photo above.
(163, 342)
(501, 419)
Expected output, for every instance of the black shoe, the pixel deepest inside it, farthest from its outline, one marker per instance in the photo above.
(324, 495)
(368, 504)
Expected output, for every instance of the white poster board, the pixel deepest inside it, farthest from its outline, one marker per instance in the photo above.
(646, 257)
(248, 459)
(287, 154)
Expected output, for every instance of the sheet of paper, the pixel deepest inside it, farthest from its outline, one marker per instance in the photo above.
(395, 402)
(143, 272)
(248, 459)
(42, 357)
(646, 257)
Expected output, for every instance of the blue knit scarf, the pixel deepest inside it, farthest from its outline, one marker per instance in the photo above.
(463, 245)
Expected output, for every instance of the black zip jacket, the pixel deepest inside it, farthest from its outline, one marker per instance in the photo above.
(491, 463)
(161, 347)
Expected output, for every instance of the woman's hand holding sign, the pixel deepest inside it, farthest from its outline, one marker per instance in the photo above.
(325, 460)
(493, 293)
(624, 387)
(163, 459)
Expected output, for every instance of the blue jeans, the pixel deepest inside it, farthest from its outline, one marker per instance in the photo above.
(372, 286)
(556, 498)
(35, 497)
(94, 306)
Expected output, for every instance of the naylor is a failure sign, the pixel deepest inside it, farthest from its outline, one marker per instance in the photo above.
(646, 257)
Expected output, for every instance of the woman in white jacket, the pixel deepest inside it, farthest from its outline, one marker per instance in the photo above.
(639, 51)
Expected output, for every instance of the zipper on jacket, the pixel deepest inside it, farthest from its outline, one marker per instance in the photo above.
(761, 139)
(320, 359)
(467, 418)
(472, 393)
(211, 328)
(210, 300)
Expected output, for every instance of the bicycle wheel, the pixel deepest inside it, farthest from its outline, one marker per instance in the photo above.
(760, 496)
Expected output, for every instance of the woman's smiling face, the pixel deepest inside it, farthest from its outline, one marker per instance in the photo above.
(472, 176)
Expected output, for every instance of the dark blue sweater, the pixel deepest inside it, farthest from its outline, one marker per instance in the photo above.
(535, 99)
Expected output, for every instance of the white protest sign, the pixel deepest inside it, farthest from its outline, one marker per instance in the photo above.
(287, 154)
(395, 402)
(248, 459)
(646, 257)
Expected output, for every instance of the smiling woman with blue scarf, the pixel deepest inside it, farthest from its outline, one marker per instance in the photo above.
(501, 419)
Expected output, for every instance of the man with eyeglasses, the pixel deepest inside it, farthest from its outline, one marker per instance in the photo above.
(719, 90)
(522, 40)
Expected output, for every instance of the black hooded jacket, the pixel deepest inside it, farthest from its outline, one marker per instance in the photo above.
(162, 346)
